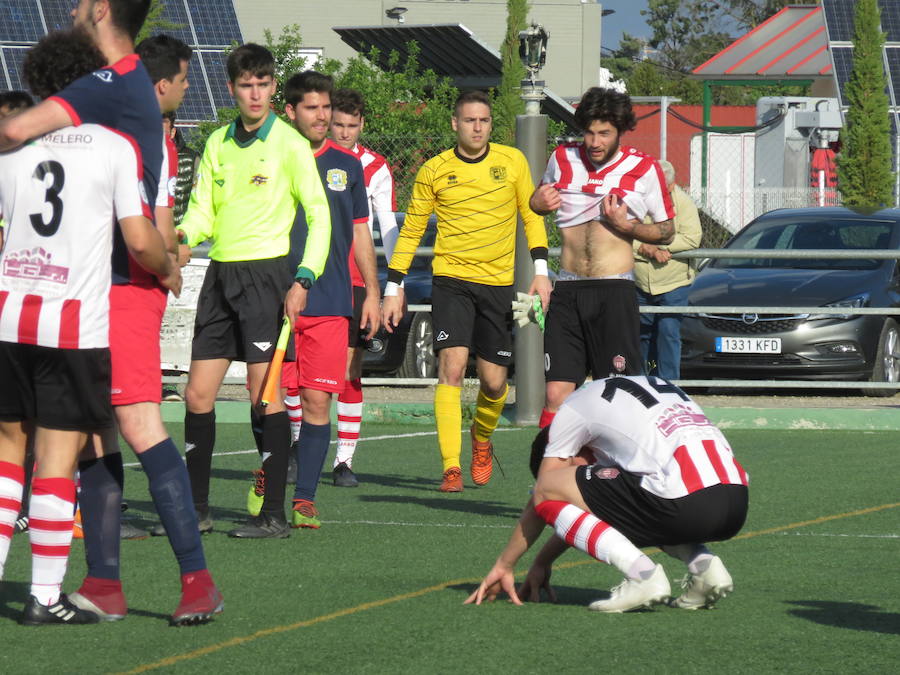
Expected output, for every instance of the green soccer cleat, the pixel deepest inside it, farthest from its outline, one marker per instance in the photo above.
(257, 493)
(305, 514)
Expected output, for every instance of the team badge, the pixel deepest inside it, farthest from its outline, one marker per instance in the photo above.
(498, 173)
(336, 179)
(258, 179)
(619, 363)
(607, 473)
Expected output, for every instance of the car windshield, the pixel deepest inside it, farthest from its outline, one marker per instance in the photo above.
(800, 235)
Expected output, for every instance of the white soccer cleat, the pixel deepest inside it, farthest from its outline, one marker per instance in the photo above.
(703, 590)
(636, 593)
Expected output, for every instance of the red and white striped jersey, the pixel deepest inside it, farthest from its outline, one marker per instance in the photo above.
(380, 191)
(645, 426)
(168, 175)
(633, 176)
(60, 197)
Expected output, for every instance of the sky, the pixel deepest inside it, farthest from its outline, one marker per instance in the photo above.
(627, 18)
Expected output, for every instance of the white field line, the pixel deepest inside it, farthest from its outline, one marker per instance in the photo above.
(850, 536)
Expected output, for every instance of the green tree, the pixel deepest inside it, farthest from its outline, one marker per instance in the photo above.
(507, 102)
(748, 14)
(864, 166)
(155, 23)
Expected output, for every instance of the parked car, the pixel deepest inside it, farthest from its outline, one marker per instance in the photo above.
(801, 344)
(407, 351)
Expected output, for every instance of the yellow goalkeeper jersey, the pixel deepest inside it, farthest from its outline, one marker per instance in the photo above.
(476, 203)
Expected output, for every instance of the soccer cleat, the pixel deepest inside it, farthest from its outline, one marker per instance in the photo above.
(344, 476)
(262, 526)
(305, 514)
(200, 600)
(21, 524)
(109, 606)
(452, 480)
(63, 611)
(482, 460)
(129, 531)
(636, 593)
(77, 532)
(703, 590)
(257, 493)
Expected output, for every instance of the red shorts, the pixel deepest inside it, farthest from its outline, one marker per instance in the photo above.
(321, 347)
(135, 319)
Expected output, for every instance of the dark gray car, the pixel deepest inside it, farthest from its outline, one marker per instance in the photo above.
(801, 344)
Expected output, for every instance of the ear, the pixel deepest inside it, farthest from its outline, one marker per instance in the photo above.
(100, 10)
(454, 123)
(362, 123)
(162, 87)
(290, 111)
(230, 88)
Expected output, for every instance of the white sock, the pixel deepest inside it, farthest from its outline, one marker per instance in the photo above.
(50, 514)
(295, 413)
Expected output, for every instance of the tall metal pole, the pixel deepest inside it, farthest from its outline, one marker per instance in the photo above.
(531, 139)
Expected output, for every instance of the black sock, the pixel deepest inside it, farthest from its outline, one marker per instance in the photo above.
(276, 438)
(312, 448)
(170, 488)
(199, 441)
(100, 502)
(256, 426)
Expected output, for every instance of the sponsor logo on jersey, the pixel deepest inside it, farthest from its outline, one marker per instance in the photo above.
(680, 416)
(263, 346)
(336, 179)
(220, 181)
(607, 473)
(34, 264)
(498, 173)
(595, 181)
(258, 179)
(452, 179)
(103, 75)
(619, 363)
(442, 336)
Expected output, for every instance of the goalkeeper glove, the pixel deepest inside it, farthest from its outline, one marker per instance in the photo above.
(527, 308)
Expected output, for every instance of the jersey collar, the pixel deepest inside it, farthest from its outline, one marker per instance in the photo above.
(261, 133)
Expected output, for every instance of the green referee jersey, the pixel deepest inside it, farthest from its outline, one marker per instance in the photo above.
(246, 196)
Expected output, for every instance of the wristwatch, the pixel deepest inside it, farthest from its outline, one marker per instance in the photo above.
(304, 282)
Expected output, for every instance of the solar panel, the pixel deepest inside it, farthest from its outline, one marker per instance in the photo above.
(175, 13)
(218, 77)
(196, 106)
(57, 13)
(843, 64)
(890, 19)
(892, 55)
(839, 19)
(21, 21)
(215, 23)
(14, 57)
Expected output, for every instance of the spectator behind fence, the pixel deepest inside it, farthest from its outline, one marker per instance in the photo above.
(663, 281)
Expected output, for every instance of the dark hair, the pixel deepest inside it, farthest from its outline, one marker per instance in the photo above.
(60, 58)
(15, 100)
(162, 56)
(538, 445)
(299, 84)
(606, 105)
(169, 116)
(129, 15)
(252, 59)
(349, 102)
(471, 96)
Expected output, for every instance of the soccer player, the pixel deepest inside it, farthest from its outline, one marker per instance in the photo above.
(629, 462)
(476, 189)
(348, 119)
(319, 331)
(61, 195)
(253, 175)
(601, 191)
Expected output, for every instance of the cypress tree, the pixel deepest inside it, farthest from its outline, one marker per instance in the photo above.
(507, 102)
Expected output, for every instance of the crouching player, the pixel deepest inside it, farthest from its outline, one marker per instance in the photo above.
(60, 197)
(629, 462)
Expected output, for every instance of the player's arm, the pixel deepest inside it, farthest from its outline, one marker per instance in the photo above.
(384, 204)
(364, 254)
(616, 216)
(147, 247)
(46, 116)
(535, 233)
(546, 197)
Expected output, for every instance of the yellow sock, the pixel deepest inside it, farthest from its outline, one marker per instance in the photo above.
(487, 414)
(448, 418)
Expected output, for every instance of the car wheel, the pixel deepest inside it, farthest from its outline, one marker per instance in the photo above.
(887, 359)
(418, 357)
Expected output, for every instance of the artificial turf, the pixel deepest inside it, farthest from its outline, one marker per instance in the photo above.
(380, 587)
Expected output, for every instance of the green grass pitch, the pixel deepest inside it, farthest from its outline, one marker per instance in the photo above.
(379, 589)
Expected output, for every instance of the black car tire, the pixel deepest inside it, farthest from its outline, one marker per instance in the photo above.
(418, 356)
(887, 360)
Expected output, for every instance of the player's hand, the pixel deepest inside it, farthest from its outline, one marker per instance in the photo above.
(392, 310)
(499, 580)
(184, 254)
(545, 198)
(541, 286)
(371, 316)
(173, 280)
(537, 580)
(295, 302)
(615, 213)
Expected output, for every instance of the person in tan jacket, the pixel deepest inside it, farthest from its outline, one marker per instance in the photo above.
(662, 280)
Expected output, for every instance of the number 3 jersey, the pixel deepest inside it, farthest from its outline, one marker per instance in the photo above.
(648, 427)
(59, 197)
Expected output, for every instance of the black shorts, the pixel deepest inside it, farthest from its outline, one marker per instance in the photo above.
(240, 309)
(65, 389)
(715, 513)
(477, 316)
(356, 337)
(592, 326)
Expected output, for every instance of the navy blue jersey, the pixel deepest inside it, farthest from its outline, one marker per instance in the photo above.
(342, 176)
(122, 97)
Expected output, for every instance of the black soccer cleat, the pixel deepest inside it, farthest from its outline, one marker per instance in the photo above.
(60, 612)
(344, 476)
(262, 526)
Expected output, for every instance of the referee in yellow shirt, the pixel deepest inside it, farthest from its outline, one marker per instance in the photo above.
(475, 189)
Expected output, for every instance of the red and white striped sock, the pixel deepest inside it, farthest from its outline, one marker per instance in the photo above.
(12, 481)
(294, 411)
(588, 533)
(349, 413)
(50, 519)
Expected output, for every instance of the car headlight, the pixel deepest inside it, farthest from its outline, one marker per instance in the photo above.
(853, 302)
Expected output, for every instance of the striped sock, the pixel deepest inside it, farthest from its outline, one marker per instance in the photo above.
(349, 413)
(12, 485)
(50, 530)
(294, 411)
(586, 532)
